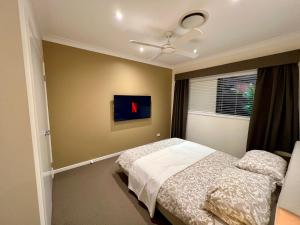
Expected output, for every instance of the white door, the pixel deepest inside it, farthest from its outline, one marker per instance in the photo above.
(38, 109)
(42, 127)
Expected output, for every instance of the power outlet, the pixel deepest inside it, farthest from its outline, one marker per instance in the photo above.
(158, 135)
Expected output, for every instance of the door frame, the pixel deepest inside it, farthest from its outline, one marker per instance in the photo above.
(29, 29)
(48, 121)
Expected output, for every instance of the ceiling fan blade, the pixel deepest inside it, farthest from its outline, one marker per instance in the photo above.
(194, 33)
(198, 29)
(145, 44)
(186, 54)
(156, 56)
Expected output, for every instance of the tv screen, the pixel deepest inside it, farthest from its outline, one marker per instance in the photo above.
(130, 107)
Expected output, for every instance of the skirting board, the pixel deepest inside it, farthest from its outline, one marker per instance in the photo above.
(86, 162)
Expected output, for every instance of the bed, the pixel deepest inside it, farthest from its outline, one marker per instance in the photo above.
(181, 197)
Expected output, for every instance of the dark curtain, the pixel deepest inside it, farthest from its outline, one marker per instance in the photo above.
(180, 108)
(274, 124)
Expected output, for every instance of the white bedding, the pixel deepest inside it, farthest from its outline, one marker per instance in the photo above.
(148, 173)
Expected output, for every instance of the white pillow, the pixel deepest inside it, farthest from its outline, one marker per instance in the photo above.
(266, 163)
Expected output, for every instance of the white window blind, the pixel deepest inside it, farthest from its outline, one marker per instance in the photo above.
(229, 94)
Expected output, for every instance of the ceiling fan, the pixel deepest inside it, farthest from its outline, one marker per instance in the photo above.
(167, 48)
(190, 22)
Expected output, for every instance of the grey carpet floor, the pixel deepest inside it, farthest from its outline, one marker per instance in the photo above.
(97, 194)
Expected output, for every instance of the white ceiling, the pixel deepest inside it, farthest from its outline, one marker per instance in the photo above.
(231, 24)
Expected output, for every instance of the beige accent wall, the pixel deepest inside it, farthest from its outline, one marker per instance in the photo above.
(81, 85)
(18, 194)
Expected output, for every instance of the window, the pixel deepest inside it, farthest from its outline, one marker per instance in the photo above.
(230, 94)
(235, 95)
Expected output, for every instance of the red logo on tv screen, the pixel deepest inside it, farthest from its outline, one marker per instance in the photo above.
(133, 107)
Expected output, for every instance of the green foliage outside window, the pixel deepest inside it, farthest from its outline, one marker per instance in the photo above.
(249, 95)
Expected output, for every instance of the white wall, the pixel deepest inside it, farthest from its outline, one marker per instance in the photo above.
(222, 133)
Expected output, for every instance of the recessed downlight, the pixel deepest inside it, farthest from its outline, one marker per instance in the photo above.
(141, 49)
(195, 51)
(119, 15)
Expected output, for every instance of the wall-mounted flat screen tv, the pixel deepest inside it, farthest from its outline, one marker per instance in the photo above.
(130, 107)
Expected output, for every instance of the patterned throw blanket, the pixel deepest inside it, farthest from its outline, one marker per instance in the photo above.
(184, 193)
